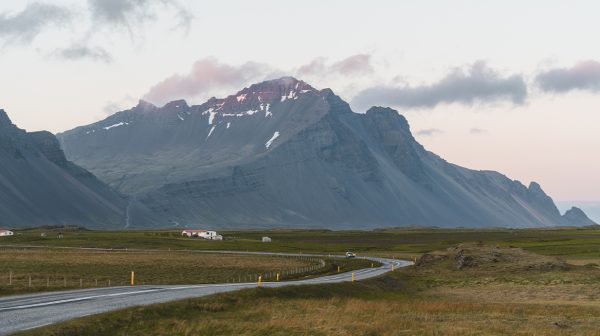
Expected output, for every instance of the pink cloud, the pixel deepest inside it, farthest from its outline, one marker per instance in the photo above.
(206, 75)
(356, 64)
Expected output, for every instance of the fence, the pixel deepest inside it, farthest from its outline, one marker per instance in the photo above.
(23, 281)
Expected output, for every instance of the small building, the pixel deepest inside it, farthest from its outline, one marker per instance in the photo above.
(266, 239)
(5, 233)
(210, 235)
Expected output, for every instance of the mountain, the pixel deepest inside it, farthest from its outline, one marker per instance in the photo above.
(576, 216)
(592, 209)
(282, 153)
(38, 186)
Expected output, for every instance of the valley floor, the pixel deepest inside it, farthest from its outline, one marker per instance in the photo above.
(486, 286)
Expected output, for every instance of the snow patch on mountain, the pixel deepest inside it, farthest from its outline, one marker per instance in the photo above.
(116, 125)
(210, 132)
(273, 138)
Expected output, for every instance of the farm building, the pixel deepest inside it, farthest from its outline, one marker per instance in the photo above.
(4, 233)
(210, 235)
(266, 239)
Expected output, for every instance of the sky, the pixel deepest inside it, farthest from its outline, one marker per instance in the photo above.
(511, 86)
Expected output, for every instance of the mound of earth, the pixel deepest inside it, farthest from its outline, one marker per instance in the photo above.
(477, 257)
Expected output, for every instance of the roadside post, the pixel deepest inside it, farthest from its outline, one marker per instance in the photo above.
(338, 270)
(352, 276)
(132, 278)
(277, 277)
(259, 280)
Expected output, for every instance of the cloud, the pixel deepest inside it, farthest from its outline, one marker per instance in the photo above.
(129, 13)
(584, 75)
(353, 65)
(477, 131)
(476, 84)
(207, 75)
(80, 52)
(24, 26)
(430, 132)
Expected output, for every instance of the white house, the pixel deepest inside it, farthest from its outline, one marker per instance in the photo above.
(266, 239)
(4, 233)
(210, 235)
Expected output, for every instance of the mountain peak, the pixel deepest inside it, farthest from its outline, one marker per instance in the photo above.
(387, 116)
(145, 105)
(288, 86)
(181, 103)
(576, 216)
(5, 121)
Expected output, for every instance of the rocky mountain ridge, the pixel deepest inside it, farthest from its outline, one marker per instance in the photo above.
(282, 153)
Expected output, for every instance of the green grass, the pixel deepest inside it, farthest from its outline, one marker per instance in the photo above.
(562, 241)
(44, 269)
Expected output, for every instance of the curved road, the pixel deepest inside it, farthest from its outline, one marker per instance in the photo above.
(24, 312)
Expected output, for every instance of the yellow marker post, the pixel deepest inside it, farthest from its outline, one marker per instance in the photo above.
(259, 280)
(372, 265)
(278, 277)
(352, 276)
(132, 278)
(392, 267)
(338, 269)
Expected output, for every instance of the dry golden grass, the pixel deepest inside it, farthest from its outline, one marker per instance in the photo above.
(496, 291)
(49, 268)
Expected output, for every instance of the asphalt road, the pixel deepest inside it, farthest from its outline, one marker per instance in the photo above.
(24, 312)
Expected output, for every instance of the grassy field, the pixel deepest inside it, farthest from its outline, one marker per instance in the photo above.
(54, 269)
(470, 289)
(575, 242)
(466, 282)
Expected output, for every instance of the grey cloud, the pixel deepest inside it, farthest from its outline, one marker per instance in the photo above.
(430, 132)
(478, 83)
(477, 131)
(111, 108)
(584, 75)
(356, 64)
(207, 74)
(128, 13)
(26, 25)
(79, 52)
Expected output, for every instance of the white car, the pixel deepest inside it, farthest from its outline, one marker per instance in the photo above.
(350, 255)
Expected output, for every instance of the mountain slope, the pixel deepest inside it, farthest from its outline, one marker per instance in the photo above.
(38, 186)
(282, 153)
